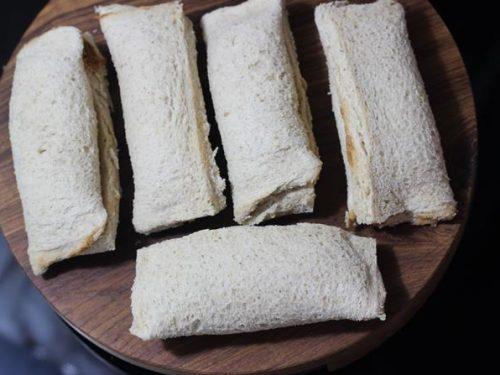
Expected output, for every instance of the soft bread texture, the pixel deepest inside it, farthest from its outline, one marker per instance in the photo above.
(59, 83)
(390, 145)
(246, 278)
(95, 66)
(262, 110)
(175, 175)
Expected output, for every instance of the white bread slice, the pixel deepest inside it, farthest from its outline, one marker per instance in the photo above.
(175, 175)
(55, 136)
(390, 145)
(262, 110)
(246, 278)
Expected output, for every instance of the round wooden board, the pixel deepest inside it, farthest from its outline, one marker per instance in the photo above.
(92, 293)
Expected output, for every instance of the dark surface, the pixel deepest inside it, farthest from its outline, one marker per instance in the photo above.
(448, 332)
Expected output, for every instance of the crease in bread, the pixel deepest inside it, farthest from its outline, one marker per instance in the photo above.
(274, 276)
(95, 65)
(265, 122)
(390, 144)
(55, 125)
(176, 178)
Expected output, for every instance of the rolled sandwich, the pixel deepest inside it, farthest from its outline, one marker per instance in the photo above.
(390, 145)
(262, 110)
(244, 278)
(64, 148)
(175, 175)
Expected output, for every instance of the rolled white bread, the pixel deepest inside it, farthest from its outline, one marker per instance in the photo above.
(64, 148)
(175, 176)
(390, 145)
(262, 110)
(245, 278)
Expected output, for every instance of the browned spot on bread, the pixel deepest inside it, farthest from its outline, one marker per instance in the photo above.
(43, 260)
(91, 58)
(447, 212)
(350, 219)
(349, 141)
(424, 220)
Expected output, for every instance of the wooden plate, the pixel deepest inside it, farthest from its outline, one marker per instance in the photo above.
(92, 293)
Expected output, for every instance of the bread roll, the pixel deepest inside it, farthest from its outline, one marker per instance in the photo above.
(63, 147)
(175, 175)
(262, 111)
(390, 145)
(243, 279)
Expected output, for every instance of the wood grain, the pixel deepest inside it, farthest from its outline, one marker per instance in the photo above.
(93, 293)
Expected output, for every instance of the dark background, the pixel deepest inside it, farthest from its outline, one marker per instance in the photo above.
(455, 330)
